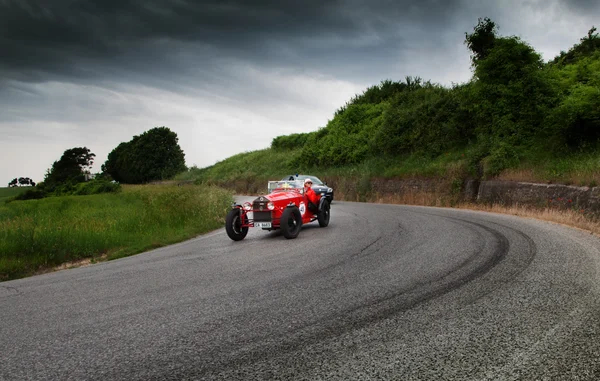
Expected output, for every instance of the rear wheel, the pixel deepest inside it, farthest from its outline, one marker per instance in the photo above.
(324, 214)
(233, 225)
(291, 222)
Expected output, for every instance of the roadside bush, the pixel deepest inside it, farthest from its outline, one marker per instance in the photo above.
(424, 121)
(290, 142)
(504, 155)
(96, 187)
(30, 194)
(346, 139)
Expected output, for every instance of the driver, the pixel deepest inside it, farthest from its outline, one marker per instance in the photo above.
(313, 198)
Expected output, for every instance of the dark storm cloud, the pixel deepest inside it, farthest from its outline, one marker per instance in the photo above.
(78, 40)
(582, 5)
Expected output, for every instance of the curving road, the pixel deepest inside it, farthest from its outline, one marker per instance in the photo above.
(385, 292)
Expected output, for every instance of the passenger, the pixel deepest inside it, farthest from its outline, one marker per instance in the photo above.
(311, 196)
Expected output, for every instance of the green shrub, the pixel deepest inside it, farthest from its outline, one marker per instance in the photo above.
(504, 155)
(31, 194)
(96, 187)
(290, 142)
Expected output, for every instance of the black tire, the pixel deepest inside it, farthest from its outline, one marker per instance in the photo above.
(233, 225)
(291, 222)
(324, 213)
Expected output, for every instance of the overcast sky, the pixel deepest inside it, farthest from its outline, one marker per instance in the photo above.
(229, 76)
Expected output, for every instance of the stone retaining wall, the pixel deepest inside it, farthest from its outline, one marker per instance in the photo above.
(491, 191)
(508, 192)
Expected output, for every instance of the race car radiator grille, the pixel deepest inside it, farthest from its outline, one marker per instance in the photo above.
(262, 216)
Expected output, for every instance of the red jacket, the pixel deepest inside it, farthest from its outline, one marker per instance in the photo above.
(312, 196)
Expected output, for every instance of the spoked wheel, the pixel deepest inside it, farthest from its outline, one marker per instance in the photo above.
(233, 225)
(291, 222)
(324, 214)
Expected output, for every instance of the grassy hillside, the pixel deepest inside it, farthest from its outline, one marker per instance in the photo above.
(518, 118)
(8, 193)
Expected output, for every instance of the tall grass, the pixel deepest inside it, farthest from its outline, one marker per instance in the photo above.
(578, 168)
(264, 164)
(8, 193)
(38, 234)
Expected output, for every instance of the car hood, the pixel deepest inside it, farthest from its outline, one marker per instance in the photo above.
(278, 196)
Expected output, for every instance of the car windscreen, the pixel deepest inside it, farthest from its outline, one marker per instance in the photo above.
(315, 180)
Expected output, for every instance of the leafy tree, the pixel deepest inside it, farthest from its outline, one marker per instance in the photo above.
(70, 168)
(511, 96)
(384, 92)
(575, 121)
(289, 142)
(119, 164)
(21, 181)
(586, 47)
(423, 121)
(482, 40)
(153, 155)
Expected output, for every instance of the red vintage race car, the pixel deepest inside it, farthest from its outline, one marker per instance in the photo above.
(285, 207)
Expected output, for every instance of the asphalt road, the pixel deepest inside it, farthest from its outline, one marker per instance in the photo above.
(385, 292)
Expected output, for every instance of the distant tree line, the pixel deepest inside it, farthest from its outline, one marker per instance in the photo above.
(513, 103)
(21, 181)
(154, 155)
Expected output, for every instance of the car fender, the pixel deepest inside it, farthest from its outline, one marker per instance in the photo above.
(321, 201)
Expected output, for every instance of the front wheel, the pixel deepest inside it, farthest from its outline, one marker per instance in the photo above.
(324, 214)
(233, 225)
(291, 222)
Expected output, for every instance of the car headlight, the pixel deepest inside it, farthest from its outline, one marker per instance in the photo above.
(270, 206)
(329, 190)
(247, 206)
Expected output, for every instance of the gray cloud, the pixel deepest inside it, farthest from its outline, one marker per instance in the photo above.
(96, 72)
(84, 39)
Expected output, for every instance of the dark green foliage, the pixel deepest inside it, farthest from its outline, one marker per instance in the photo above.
(25, 181)
(153, 155)
(588, 46)
(482, 40)
(512, 91)
(289, 142)
(31, 194)
(575, 121)
(71, 168)
(119, 164)
(423, 120)
(96, 187)
(383, 92)
(346, 139)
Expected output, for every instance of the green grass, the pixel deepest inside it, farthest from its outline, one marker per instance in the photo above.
(251, 170)
(577, 168)
(8, 193)
(39, 234)
(263, 164)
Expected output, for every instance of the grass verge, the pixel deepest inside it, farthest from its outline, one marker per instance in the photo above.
(41, 234)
